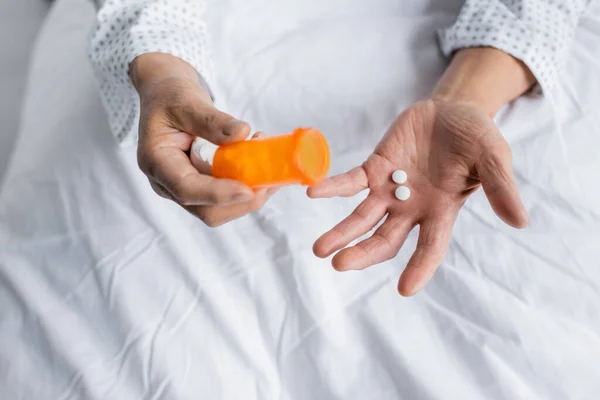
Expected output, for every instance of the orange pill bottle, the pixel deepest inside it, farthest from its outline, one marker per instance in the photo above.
(301, 157)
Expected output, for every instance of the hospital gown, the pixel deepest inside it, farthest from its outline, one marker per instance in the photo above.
(538, 32)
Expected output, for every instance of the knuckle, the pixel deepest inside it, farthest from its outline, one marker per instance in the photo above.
(202, 213)
(142, 164)
(213, 223)
(180, 193)
(209, 120)
(184, 99)
(146, 164)
(186, 191)
(180, 104)
(493, 163)
(214, 197)
(211, 220)
(209, 215)
(495, 166)
(362, 212)
(160, 191)
(413, 114)
(147, 158)
(218, 196)
(183, 105)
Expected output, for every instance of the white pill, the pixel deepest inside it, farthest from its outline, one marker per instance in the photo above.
(403, 193)
(400, 177)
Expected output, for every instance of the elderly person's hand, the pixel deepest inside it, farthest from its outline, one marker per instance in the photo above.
(449, 146)
(174, 110)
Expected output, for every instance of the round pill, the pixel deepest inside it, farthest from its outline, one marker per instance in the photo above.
(400, 177)
(403, 193)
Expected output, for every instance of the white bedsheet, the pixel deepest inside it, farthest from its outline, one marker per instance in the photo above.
(19, 23)
(109, 292)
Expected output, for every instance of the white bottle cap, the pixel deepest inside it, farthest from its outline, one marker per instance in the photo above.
(204, 150)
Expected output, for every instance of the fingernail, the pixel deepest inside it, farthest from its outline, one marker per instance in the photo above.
(417, 287)
(527, 217)
(242, 197)
(272, 191)
(416, 283)
(234, 127)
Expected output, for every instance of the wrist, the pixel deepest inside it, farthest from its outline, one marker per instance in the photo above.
(486, 78)
(152, 70)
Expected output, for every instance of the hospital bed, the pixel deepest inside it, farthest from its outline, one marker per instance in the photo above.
(109, 292)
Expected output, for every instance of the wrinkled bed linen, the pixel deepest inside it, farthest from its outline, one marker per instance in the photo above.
(109, 292)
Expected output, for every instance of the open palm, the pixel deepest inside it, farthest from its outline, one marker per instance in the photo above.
(448, 150)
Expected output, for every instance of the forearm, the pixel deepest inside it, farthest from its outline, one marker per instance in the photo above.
(485, 77)
(538, 32)
(127, 30)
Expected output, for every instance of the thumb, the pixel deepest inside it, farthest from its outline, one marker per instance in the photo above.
(495, 172)
(202, 119)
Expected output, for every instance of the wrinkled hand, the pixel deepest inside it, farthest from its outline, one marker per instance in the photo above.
(448, 150)
(173, 112)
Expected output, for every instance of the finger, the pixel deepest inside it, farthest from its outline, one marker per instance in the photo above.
(363, 219)
(160, 190)
(202, 119)
(382, 246)
(496, 175)
(434, 237)
(173, 169)
(259, 135)
(346, 185)
(214, 216)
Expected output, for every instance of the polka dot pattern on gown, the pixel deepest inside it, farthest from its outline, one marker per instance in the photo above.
(538, 32)
(126, 29)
